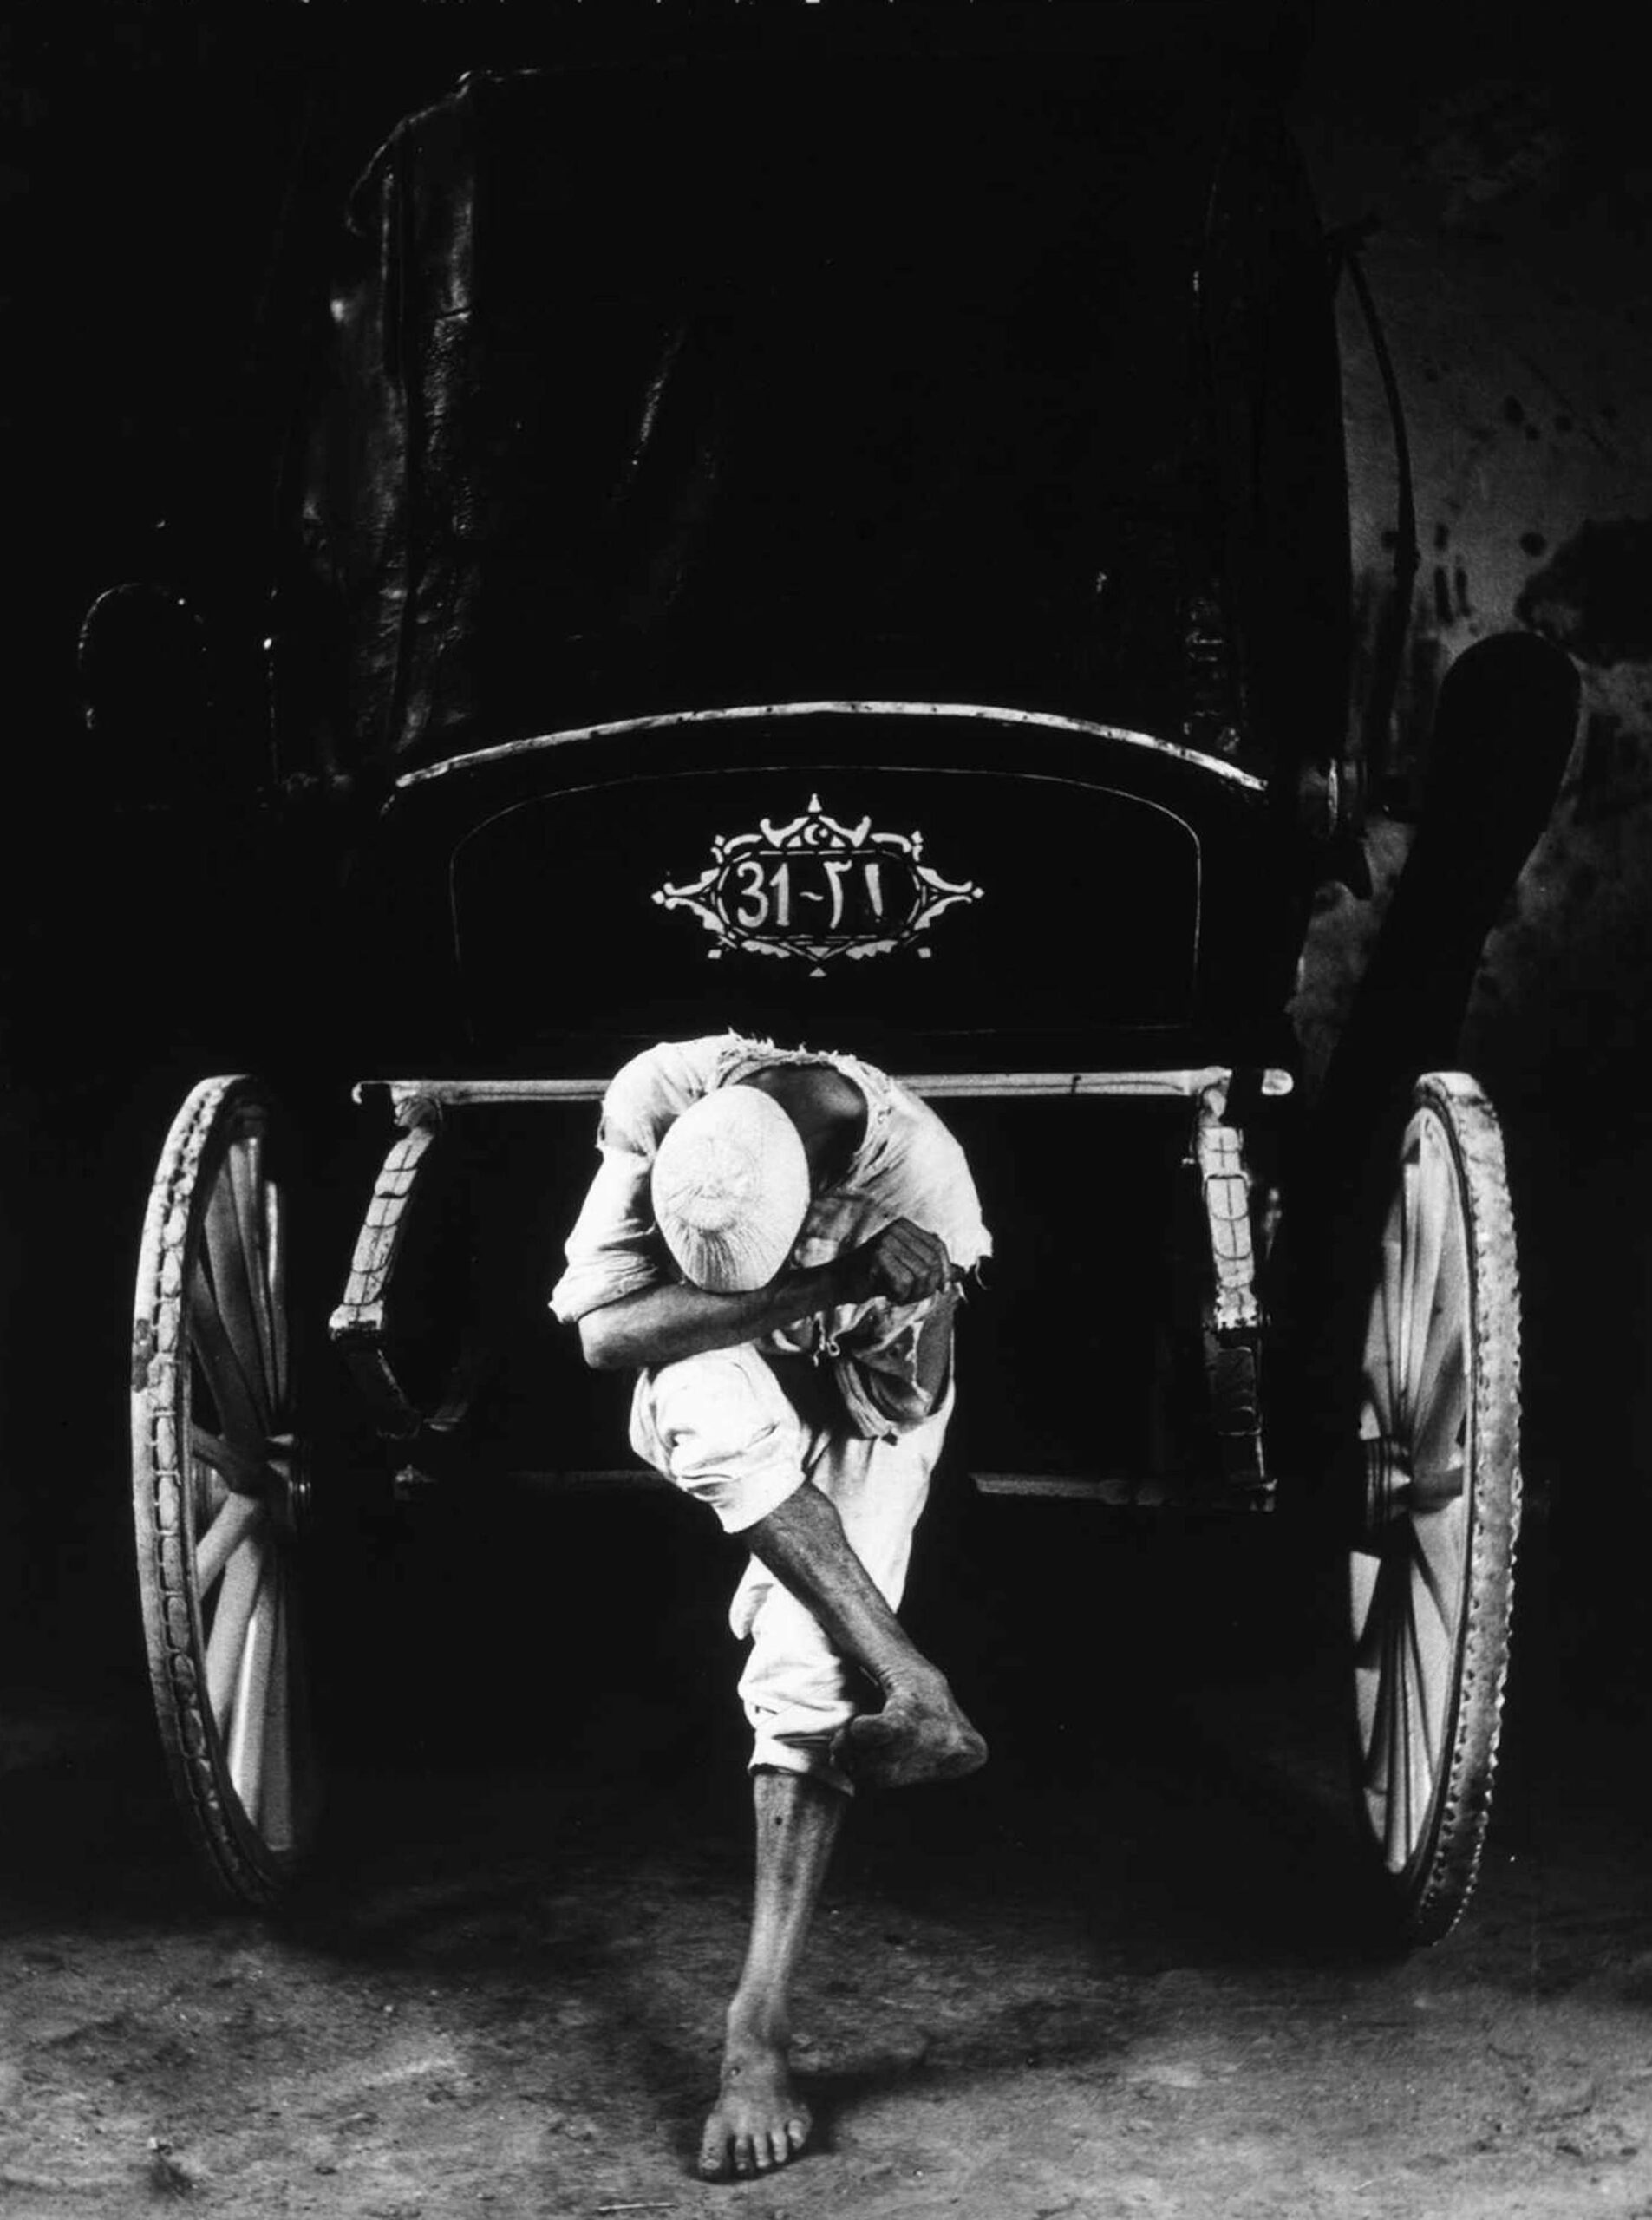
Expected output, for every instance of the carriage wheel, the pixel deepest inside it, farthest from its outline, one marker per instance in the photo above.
(219, 1488)
(1431, 1570)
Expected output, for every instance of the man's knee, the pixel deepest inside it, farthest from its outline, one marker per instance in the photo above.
(719, 1426)
(722, 1399)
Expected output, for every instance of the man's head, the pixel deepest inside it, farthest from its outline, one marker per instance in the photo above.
(731, 1190)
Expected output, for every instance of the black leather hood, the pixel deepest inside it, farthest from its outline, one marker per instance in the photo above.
(653, 390)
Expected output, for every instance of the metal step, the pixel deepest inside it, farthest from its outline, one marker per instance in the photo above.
(1121, 1491)
(1127, 1491)
(1130, 1489)
(1095, 1487)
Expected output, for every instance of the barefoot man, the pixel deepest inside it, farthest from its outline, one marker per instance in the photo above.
(773, 1241)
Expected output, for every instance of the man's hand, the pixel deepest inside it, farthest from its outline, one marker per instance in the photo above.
(903, 1263)
(659, 1325)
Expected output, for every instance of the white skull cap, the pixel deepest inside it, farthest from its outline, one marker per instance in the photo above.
(731, 1190)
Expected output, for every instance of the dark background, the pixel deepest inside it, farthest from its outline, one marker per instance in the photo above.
(150, 360)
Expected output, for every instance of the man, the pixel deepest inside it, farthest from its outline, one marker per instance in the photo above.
(775, 1239)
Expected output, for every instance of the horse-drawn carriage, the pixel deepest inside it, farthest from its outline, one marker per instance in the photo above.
(851, 545)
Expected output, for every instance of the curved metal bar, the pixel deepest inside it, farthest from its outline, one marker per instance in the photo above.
(1044, 720)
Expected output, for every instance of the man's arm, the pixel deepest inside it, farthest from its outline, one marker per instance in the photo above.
(658, 1325)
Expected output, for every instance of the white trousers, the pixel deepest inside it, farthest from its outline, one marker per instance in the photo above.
(723, 1429)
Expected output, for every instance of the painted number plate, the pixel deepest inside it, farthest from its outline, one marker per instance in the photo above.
(818, 888)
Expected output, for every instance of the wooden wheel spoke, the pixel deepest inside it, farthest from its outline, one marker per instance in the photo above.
(1399, 1308)
(1378, 1751)
(238, 1404)
(1382, 1341)
(207, 1493)
(274, 1249)
(1411, 1740)
(1400, 1763)
(1367, 1575)
(276, 1806)
(1397, 1814)
(1431, 1208)
(247, 1189)
(1436, 1555)
(1441, 1430)
(244, 1475)
(1375, 1753)
(240, 1515)
(254, 1692)
(1376, 1395)
(1450, 1322)
(234, 1291)
(227, 1644)
(1423, 1712)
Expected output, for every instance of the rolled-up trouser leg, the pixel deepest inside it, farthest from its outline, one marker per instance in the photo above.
(723, 1428)
(720, 1426)
(798, 1692)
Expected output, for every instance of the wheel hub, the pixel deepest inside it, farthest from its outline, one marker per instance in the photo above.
(287, 1470)
(1396, 1489)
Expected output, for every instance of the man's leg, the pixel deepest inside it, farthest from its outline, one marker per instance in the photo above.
(920, 1733)
(758, 2121)
(722, 1427)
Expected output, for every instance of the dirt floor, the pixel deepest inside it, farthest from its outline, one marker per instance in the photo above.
(1119, 1973)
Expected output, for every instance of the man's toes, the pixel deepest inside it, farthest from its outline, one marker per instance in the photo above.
(714, 2154)
(740, 2142)
(865, 1735)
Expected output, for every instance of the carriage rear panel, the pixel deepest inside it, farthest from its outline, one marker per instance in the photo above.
(946, 889)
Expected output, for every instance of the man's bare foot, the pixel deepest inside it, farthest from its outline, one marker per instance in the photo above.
(758, 2121)
(920, 1734)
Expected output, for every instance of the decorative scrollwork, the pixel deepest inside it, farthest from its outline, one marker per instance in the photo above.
(817, 889)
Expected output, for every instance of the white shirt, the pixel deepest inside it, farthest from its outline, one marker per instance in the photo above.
(907, 1166)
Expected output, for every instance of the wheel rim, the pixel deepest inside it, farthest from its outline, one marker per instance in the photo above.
(222, 1490)
(1409, 1569)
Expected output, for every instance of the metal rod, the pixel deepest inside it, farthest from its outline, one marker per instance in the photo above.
(992, 1086)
